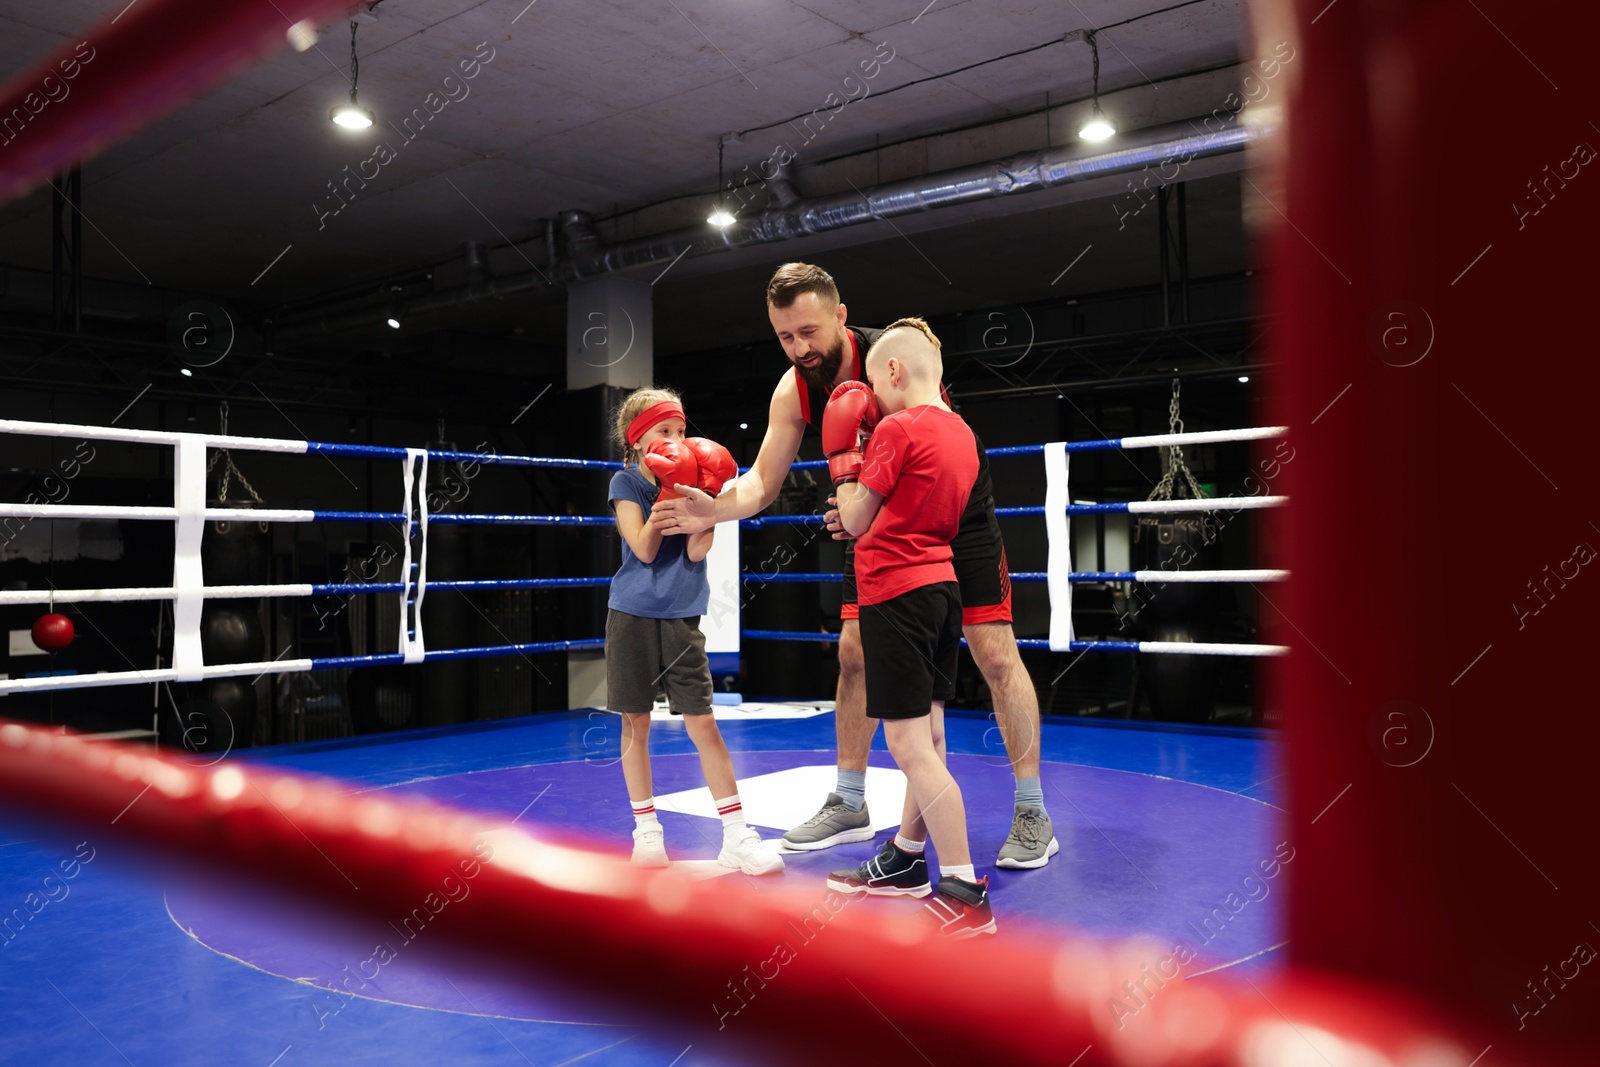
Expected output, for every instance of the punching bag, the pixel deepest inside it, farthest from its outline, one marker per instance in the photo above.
(220, 713)
(381, 700)
(1181, 688)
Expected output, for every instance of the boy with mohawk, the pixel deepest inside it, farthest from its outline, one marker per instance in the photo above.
(903, 499)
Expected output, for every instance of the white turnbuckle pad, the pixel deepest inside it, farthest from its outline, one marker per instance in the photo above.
(1059, 530)
(416, 529)
(188, 574)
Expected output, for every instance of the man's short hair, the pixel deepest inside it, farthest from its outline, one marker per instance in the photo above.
(793, 279)
(915, 324)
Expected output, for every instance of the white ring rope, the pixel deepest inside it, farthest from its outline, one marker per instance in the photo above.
(1203, 437)
(1211, 648)
(162, 674)
(1230, 503)
(14, 597)
(148, 437)
(1267, 575)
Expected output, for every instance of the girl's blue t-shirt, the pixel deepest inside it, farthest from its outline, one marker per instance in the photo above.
(670, 588)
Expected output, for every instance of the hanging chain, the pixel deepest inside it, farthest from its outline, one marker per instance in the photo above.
(1094, 47)
(230, 470)
(355, 64)
(1176, 463)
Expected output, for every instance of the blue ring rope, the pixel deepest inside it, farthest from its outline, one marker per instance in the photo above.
(533, 648)
(325, 448)
(538, 647)
(1022, 642)
(359, 516)
(809, 519)
(752, 577)
(333, 448)
(1016, 576)
(1103, 445)
(448, 518)
(1116, 508)
(787, 635)
(340, 588)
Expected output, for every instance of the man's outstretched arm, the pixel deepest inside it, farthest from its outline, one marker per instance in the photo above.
(756, 489)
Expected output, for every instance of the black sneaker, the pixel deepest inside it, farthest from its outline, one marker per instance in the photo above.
(962, 908)
(894, 872)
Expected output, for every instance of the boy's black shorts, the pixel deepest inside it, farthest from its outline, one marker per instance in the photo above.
(910, 644)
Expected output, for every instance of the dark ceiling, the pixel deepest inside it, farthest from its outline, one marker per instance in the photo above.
(614, 108)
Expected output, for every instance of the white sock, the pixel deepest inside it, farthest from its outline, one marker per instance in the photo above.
(963, 871)
(644, 813)
(905, 844)
(732, 813)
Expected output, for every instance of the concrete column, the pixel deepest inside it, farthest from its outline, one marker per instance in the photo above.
(609, 342)
(609, 333)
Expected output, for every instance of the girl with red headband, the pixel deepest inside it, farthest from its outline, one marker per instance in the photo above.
(653, 633)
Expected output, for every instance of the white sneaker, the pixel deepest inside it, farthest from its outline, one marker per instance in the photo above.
(750, 854)
(649, 846)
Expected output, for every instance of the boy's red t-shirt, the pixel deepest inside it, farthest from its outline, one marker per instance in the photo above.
(923, 462)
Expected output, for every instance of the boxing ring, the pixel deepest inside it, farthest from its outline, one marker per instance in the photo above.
(1369, 915)
(256, 822)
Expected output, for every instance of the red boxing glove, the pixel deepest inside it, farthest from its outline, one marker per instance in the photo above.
(673, 464)
(852, 413)
(717, 467)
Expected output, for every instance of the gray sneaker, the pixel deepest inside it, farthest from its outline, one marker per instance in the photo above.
(1032, 840)
(835, 824)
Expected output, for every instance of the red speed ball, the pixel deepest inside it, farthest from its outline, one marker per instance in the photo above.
(53, 632)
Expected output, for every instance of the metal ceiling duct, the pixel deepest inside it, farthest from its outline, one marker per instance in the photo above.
(1170, 146)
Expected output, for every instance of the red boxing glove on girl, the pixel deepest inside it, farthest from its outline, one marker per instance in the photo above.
(673, 463)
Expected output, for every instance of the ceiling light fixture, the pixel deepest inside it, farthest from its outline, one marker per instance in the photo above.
(1098, 128)
(1244, 377)
(720, 216)
(352, 116)
(186, 372)
(302, 35)
(393, 321)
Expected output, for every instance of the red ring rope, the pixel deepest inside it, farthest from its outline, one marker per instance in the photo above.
(152, 57)
(570, 918)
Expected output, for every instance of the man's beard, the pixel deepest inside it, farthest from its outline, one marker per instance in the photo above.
(823, 374)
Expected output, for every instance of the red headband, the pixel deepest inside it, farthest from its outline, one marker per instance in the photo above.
(667, 409)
